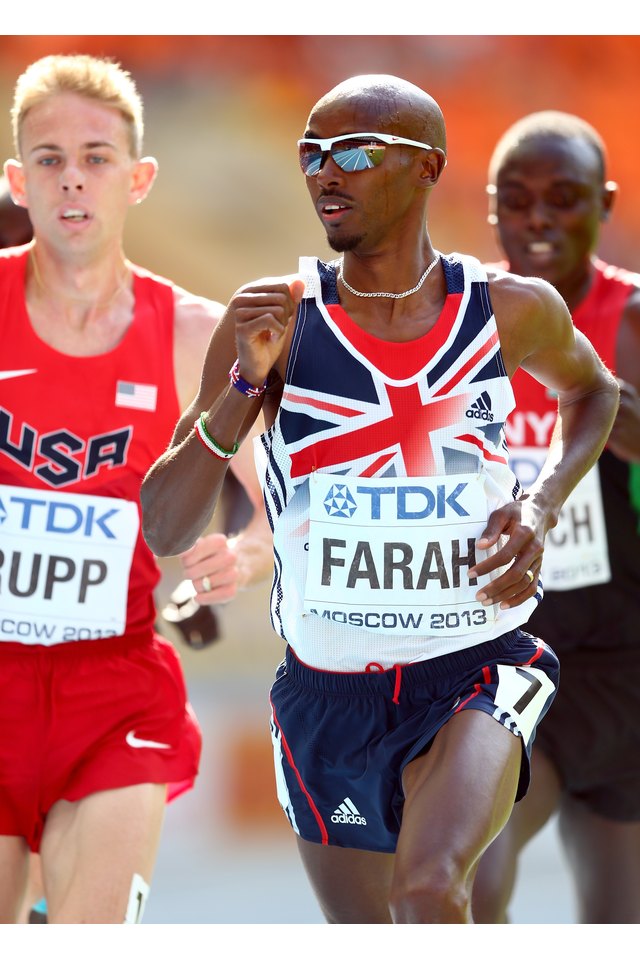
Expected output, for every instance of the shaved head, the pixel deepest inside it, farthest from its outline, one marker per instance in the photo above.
(544, 125)
(392, 104)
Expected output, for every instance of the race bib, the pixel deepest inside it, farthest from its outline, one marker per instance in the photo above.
(65, 560)
(392, 554)
(576, 553)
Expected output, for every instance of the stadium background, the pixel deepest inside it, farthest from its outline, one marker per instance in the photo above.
(222, 117)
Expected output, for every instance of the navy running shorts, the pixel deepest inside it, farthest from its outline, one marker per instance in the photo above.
(342, 740)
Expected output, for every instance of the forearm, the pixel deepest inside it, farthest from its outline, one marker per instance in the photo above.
(624, 439)
(579, 437)
(180, 492)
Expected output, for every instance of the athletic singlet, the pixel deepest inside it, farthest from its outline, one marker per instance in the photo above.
(77, 435)
(603, 613)
(379, 472)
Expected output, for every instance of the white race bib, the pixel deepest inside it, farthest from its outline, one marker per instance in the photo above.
(65, 560)
(576, 553)
(392, 554)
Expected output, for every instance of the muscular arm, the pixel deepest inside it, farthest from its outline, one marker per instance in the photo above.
(536, 333)
(181, 490)
(231, 564)
(624, 439)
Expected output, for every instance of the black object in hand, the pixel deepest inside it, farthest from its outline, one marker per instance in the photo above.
(197, 625)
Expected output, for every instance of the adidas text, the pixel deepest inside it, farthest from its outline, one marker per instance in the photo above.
(348, 818)
(480, 415)
(480, 409)
(347, 812)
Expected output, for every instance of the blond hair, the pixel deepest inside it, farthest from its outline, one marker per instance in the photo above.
(98, 79)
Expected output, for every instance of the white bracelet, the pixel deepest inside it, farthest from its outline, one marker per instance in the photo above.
(212, 445)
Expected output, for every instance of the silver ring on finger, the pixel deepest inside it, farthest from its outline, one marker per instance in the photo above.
(206, 584)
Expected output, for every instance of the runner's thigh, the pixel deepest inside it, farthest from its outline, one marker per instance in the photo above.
(92, 849)
(458, 796)
(14, 862)
(605, 859)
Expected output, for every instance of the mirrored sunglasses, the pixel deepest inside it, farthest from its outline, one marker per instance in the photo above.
(352, 151)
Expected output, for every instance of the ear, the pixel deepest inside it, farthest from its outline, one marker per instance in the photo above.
(144, 173)
(492, 193)
(14, 173)
(609, 194)
(432, 167)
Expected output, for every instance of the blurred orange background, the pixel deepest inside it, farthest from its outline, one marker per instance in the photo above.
(223, 114)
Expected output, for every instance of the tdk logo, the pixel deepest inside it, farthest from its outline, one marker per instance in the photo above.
(59, 517)
(415, 502)
(339, 502)
(347, 812)
(480, 409)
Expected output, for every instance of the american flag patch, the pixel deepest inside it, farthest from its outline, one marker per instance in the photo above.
(137, 396)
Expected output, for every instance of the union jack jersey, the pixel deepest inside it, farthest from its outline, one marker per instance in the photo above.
(378, 579)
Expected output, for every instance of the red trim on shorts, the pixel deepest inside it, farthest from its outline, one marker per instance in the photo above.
(537, 654)
(486, 676)
(476, 690)
(396, 690)
(323, 830)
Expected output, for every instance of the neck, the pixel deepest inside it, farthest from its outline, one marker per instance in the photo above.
(575, 287)
(88, 286)
(387, 277)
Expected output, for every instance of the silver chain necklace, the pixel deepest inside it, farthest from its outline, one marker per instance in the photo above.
(392, 296)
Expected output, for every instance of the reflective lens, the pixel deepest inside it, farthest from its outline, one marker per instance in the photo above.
(352, 151)
(351, 155)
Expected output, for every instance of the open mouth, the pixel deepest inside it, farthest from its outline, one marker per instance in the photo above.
(540, 248)
(75, 215)
(333, 210)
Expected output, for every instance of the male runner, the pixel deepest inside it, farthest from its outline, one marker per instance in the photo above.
(548, 197)
(406, 553)
(98, 358)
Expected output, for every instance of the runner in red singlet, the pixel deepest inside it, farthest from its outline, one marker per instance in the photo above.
(549, 197)
(98, 358)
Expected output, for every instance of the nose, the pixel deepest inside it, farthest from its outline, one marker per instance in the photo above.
(539, 215)
(71, 179)
(329, 172)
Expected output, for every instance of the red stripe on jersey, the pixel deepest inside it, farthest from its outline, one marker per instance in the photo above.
(398, 361)
(484, 349)
(469, 438)
(292, 397)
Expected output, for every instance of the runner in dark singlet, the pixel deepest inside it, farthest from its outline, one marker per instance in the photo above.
(406, 560)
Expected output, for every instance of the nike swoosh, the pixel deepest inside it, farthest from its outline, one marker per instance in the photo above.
(134, 741)
(10, 374)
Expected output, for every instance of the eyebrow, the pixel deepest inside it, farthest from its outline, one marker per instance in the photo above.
(91, 145)
(564, 180)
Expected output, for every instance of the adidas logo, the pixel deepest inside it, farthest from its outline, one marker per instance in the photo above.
(347, 812)
(480, 409)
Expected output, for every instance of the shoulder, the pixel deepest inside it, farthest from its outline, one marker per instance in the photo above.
(522, 295)
(194, 317)
(530, 315)
(11, 256)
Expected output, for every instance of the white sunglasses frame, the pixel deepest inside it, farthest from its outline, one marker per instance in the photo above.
(389, 139)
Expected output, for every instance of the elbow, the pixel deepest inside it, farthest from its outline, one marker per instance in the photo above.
(157, 527)
(160, 546)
